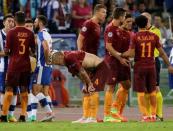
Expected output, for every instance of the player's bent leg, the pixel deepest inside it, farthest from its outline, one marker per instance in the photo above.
(43, 101)
(46, 93)
(120, 101)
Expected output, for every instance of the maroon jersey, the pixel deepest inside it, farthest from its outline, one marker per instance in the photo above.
(144, 43)
(19, 40)
(126, 37)
(114, 35)
(73, 61)
(91, 32)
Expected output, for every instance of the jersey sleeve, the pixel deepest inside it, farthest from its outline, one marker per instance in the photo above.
(85, 30)
(73, 65)
(109, 36)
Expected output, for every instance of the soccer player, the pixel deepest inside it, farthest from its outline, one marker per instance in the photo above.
(88, 67)
(43, 71)
(8, 22)
(88, 41)
(116, 40)
(32, 100)
(156, 31)
(128, 34)
(142, 48)
(19, 42)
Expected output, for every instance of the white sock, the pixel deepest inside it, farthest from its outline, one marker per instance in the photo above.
(43, 101)
(1, 99)
(49, 101)
(29, 111)
(13, 104)
(35, 103)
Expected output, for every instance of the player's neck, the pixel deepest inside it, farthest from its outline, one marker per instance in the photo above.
(5, 30)
(115, 22)
(41, 28)
(95, 20)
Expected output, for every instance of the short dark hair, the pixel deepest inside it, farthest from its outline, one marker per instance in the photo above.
(98, 7)
(29, 21)
(117, 12)
(128, 15)
(20, 17)
(43, 19)
(141, 21)
(8, 16)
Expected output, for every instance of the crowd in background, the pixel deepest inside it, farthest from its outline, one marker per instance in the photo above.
(67, 16)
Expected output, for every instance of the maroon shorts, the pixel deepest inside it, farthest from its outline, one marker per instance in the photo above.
(144, 79)
(18, 79)
(118, 73)
(99, 76)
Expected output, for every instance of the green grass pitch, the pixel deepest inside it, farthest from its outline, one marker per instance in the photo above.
(67, 126)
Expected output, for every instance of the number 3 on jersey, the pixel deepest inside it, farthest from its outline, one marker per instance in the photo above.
(22, 46)
(146, 47)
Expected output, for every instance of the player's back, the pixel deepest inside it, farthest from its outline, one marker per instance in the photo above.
(145, 42)
(19, 40)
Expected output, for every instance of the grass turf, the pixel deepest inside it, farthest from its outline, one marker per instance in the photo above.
(67, 126)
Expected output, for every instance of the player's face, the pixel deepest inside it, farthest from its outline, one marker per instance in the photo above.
(29, 26)
(101, 14)
(122, 18)
(128, 23)
(36, 25)
(9, 23)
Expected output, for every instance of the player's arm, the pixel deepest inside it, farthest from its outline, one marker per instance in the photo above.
(80, 41)
(83, 76)
(164, 56)
(129, 53)
(2, 54)
(46, 51)
(165, 59)
(116, 54)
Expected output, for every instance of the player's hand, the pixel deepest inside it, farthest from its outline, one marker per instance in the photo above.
(170, 69)
(84, 89)
(124, 62)
(91, 88)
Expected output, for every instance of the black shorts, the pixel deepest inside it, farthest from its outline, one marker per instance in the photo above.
(158, 66)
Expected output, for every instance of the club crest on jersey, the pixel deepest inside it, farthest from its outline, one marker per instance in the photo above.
(84, 29)
(110, 34)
